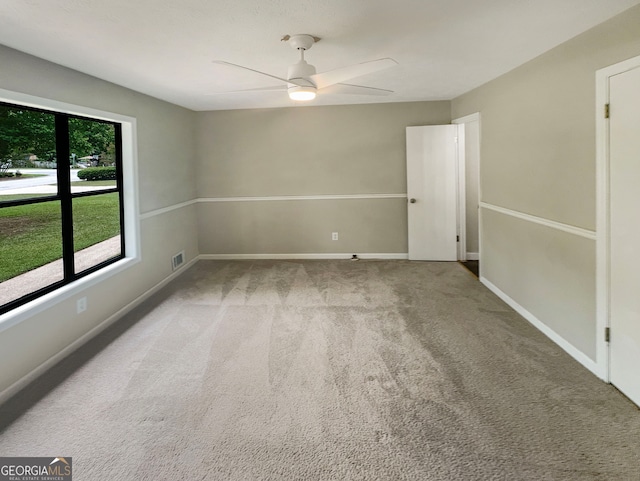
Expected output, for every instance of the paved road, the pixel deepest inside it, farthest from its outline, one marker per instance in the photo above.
(43, 185)
(49, 177)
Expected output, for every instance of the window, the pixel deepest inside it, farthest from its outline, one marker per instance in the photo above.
(61, 200)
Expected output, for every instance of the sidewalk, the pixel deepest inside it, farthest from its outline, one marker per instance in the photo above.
(46, 275)
(50, 189)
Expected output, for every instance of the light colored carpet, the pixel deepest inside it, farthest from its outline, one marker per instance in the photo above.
(325, 370)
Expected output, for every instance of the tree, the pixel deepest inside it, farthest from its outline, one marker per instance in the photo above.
(87, 137)
(25, 132)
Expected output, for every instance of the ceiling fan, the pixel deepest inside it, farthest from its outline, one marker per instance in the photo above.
(302, 82)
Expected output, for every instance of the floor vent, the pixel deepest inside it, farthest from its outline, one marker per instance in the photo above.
(177, 260)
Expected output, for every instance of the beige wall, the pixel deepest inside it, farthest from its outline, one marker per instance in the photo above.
(304, 227)
(538, 158)
(306, 151)
(547, 271)
(166, 177)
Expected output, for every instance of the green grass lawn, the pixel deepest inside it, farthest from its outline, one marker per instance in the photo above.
(21, 196)
(84, 183)
(30, 234)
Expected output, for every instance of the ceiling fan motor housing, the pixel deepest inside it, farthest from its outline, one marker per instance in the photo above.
(301, 71)
(304, 88)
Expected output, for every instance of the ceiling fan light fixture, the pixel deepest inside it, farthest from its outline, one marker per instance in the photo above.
(303, 82)
(301, 93)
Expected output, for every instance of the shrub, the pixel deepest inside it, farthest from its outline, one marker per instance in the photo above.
(97, 173)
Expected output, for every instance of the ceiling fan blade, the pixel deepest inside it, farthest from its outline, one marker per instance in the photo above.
(355, 90)
(274, 88)
(324, 79)
(229, 64)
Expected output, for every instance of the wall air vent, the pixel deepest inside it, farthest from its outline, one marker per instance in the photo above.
(177, 260)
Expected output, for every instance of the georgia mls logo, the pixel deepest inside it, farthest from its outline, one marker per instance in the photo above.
(36, 469)
(64, 466)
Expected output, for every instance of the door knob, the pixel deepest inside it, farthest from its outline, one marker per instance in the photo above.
(413, 201)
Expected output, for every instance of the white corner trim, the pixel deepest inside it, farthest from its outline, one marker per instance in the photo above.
(475, 117)
(473, 256)
(387, 256)
(569, 348)
(164, 210)
(302, 197)
(588, 234)
(53, 360)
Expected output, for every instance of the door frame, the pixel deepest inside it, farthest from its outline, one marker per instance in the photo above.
(603, 276)
(462, 186)
(461, 182)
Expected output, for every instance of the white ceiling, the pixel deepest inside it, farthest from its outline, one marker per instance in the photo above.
(165, 49)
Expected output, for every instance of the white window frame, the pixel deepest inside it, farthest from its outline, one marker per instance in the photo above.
(131, 206)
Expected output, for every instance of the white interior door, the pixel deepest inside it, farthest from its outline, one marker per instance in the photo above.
(624, 178)
(432, 192)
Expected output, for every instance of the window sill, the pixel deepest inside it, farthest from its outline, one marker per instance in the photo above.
(21, 313)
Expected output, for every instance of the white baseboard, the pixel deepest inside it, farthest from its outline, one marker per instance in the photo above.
(473, 256)
(388, 256)
(392, 256)
(53, 360)
(569, 348)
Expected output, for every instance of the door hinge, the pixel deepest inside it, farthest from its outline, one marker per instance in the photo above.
(607, 334)
(606, 111)
(457, 238)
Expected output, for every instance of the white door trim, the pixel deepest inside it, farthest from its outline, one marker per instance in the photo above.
(602, 211)
(461, 213)
(467, 118)
(475, 117)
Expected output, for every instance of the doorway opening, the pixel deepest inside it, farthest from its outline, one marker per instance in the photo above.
(469, 192)
(472, 266)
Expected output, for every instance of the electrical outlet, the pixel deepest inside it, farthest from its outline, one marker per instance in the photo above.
(334, 236)
(81, 305)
